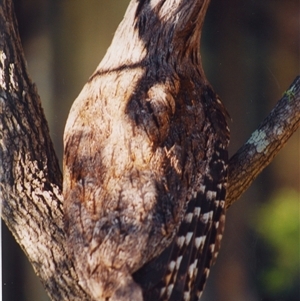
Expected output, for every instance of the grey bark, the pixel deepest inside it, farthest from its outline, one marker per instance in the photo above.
(30, 187)
(264, 143)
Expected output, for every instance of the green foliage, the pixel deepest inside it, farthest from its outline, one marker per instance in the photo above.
(277, 223)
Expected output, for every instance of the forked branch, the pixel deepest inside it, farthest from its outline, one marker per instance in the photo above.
(30, 187)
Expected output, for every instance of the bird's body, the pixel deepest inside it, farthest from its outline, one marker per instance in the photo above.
(145, 163)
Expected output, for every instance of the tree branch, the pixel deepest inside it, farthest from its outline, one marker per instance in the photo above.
(265, 143)
(30, 187)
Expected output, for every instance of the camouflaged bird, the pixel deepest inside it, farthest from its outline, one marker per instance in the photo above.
(145, 161)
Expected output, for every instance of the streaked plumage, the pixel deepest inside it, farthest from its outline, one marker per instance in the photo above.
(145, 161)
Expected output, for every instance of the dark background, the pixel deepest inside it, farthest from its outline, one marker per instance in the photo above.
(250, 52)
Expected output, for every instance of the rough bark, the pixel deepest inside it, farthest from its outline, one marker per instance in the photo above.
(30, 188)
(31, 180)
(264, 143)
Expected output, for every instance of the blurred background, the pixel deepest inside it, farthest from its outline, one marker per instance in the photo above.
(250, 52)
